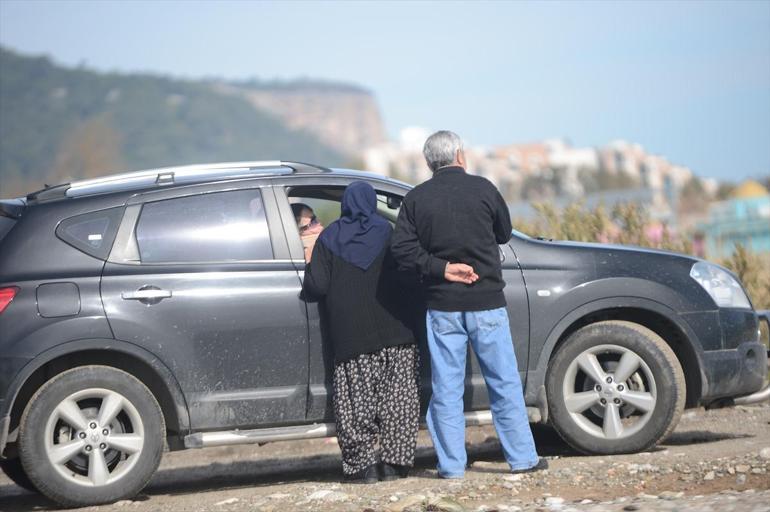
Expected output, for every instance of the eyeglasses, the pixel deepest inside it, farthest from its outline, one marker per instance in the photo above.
(313, 222)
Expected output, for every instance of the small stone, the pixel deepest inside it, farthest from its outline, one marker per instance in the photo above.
(631, 507)
(764, 453)
(731, 470)
(709, 476)
(757, 471)
(741, 479)
(742, 468)
(122, 503)
(671, 495)
(279, 496)
(411, 501)
(647, 496)
(586, 501)
(327, 495)
(444, 504)
(393, 499)
(514, 478)
(228, 501)
(554, 500)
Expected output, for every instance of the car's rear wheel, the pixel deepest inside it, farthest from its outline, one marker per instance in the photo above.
(14, 470)
(91, 435)
(615, 387)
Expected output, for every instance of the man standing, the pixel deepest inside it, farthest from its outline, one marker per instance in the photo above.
(448, 230)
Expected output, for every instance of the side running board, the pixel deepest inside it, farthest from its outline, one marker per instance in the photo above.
(316, 430)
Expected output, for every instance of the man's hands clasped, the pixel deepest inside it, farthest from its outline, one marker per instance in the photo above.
(460, 273)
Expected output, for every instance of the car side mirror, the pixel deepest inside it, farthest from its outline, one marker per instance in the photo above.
(393, 202)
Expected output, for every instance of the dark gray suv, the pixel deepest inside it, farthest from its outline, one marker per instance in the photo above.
(163, 307)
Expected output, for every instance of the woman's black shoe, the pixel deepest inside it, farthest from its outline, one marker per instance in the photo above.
(369, 475)
(393, 472)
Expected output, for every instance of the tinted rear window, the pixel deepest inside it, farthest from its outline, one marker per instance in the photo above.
(92, 233)
(10, 211)
(215, 227)
(6, 224)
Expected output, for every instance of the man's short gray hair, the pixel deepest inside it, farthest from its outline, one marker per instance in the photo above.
(441, 149)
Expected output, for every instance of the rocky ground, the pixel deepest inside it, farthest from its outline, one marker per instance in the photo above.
(715, 461)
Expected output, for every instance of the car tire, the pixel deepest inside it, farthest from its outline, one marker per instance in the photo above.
(14, 470)
(628, 403)
(91, 435)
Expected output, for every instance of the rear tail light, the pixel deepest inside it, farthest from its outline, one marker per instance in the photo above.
(6, 296)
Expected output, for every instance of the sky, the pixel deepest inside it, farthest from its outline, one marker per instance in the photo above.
(687, 80)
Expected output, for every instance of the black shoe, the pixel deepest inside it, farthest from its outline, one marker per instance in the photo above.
(369, 475)
(390, 472)
(541, 465)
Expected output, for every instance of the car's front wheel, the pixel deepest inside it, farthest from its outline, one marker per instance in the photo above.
(614, 387)
(91, 435)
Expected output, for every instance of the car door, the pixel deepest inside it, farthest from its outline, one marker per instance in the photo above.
(202, 278)
(476, 396)
(321, 358)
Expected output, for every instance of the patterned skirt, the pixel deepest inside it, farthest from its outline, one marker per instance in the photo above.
(376, 398)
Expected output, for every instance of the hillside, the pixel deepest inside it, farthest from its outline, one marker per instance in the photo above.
(58, 124)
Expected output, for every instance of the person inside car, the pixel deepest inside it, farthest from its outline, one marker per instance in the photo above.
(309, 227)
(376, 372)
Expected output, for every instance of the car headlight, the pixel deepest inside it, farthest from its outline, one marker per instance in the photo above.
(726, 291)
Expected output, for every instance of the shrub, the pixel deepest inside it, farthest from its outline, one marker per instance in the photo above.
(630, 224)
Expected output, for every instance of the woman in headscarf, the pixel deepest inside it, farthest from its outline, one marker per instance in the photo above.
(369, 324)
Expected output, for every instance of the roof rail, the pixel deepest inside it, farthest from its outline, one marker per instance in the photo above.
(167, 175)
(302, 167)
(171, 175)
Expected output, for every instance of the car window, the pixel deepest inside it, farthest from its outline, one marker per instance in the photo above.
(216, 227)
(327, 209)
(92, 233)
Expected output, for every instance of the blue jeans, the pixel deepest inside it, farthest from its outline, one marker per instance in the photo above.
(490, 337)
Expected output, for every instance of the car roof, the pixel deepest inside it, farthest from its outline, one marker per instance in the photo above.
(189, 174)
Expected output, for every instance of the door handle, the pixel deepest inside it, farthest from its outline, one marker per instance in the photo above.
(147, 294)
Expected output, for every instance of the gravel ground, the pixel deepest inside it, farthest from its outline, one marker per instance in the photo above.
(716, 460)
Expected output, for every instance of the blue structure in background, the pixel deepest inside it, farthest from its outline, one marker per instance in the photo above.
(743, 219)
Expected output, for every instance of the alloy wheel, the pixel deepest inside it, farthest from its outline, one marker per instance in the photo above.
(609, 391)
(94, 437)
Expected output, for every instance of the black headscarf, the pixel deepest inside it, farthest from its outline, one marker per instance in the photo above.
(359, 235)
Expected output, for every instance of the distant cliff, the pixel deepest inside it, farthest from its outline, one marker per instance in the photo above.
(343, 117)
(59, 124)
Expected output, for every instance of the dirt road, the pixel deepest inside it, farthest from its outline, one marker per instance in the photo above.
(716, 460)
